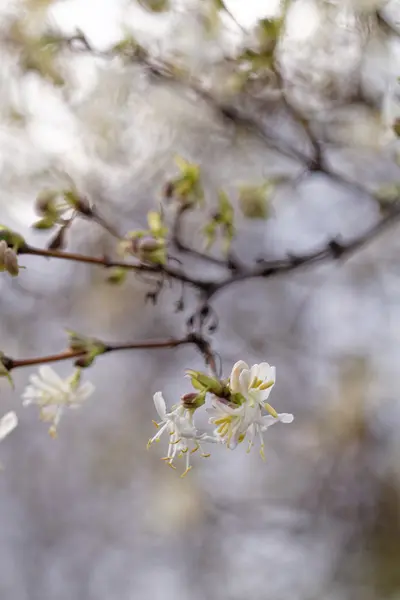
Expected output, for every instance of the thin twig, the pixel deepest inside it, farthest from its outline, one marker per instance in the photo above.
(195, 339)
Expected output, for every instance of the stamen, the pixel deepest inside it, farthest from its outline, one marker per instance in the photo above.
(271, 410)
(186, 472)
(266, 385)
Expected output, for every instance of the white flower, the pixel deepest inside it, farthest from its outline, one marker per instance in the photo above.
(53, 394)
(180, 426)
(234, 423)
(253, 384)
(7, 424)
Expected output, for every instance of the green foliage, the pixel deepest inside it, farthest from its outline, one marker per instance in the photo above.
(254, 200)
(90, 348)
(222, 223)
(156, 6)
(4, 372)
(186, 187)
(117, 276)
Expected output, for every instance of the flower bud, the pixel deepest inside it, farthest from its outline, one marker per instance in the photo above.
(192, 401)
(149, 244)
(11, 262)
(45, 202)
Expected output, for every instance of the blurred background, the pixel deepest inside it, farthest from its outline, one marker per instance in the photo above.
(93, 515)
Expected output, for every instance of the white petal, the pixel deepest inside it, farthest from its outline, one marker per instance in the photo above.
(85, 390)
(50, 376)
(244, 382)
(160, 405)
(7, 424)
(49, 388)
(235, 373)
(254, 373)
(266, 372)
(267, 421)
(286, 418)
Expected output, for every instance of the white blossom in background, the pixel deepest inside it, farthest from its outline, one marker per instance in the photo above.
(7, 424)
(53, 394)
(179, 425)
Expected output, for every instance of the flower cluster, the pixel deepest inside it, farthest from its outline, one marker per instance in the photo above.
(53, 394)
(239, 410)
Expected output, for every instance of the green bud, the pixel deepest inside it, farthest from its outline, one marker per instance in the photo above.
(192, 401)
(79, 203)
(45, 223)
(4, 371)
(117, 276)
(13, 239)
(156, 224)
(254, 200)
(82, 343)
(46, 202)
(203, 382)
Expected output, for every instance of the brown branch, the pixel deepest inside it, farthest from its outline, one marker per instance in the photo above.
(334, 250)
(230, 263)
(194, 339)
(105, 262)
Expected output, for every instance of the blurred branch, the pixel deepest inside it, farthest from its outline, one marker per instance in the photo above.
(194, 339)
(231, 262)
(335, 249)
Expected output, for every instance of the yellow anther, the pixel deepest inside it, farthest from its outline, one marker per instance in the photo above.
(149, 443)
(194, 449)
(186, 472)
(241, 438)
(266, 385)
(169, 462)
(176, 441)
(206, 455)
(53, 432)
(256, 383)
(262, 453)
(156, 425)
(271, 410)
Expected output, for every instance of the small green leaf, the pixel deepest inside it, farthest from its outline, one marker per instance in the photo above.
(45, 223)
(254, 200)
(117, 276)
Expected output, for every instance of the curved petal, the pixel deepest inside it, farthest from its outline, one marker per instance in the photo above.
(266, 372)
(50, 376)
(286, 418)
(244, 382)
(160, 405)
(238, 367)
(267, 421)
(85, 390)
(254, 373)
(7, 424)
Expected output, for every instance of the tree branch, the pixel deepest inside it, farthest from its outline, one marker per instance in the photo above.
(194, 339)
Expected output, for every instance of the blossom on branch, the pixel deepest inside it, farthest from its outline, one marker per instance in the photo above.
(237, 411)
(53, 394)
(234, 423)
(184, 439)
(254, 384)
